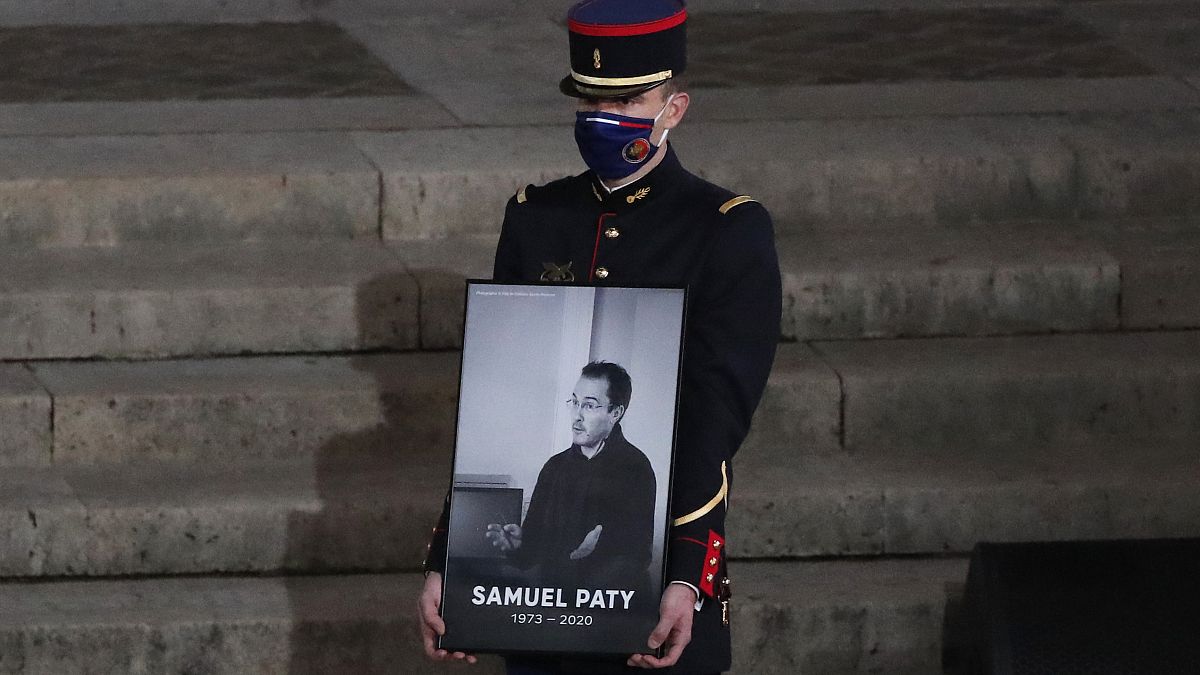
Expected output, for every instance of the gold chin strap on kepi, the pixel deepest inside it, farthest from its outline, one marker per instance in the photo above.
(721, 496)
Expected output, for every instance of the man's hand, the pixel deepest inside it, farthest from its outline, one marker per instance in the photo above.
(674, 627)
(504, 537)
(432, 624)
(588, 544)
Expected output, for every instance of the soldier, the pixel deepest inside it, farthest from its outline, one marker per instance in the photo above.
(638, 218)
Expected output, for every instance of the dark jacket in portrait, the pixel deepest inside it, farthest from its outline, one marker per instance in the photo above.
(574, 494)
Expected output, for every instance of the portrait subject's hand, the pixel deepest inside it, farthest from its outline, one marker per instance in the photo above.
(588, 544)
(431, 622)
(674, 629)
(504, 537)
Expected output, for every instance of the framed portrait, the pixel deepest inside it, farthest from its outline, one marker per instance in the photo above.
(562, 468)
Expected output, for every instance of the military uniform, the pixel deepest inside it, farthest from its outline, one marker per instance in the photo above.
(669, 228)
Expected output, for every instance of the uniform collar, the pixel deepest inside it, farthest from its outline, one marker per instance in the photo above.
(642, 191)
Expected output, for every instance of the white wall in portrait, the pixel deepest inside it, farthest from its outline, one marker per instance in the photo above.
(641, 332)
(516, 342)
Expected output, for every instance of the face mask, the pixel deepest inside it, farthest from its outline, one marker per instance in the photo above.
(616, 146)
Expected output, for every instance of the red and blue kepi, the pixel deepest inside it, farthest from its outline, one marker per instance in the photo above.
(624, 47)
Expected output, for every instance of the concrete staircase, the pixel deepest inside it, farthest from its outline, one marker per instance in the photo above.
(228, 334)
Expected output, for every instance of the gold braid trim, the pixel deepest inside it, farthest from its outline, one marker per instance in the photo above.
(736, 201)
(722, 495)
(620, 81)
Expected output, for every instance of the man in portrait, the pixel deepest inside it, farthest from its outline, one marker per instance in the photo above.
(590, 520)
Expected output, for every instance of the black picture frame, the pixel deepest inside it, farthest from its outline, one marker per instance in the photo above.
(523, 448)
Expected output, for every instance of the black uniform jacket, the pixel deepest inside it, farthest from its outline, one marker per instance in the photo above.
(670, 228)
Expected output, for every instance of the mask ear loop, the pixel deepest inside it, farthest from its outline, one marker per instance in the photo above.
(660, 114)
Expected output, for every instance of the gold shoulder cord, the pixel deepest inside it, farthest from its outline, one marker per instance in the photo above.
(736, 201)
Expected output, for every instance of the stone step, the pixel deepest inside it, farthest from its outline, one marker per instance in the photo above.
(375, 514)
(826, 175)
(102, 190)
(128, 12)
(250, 409)
(371, 514)
(1005, 278)
(457, 65)
(1002, 279)
(881, 617)
(161, 300)
(154, 300)
(26, 418)
(976, 396)
(982, 395)
(1160, 280)
(926, 502)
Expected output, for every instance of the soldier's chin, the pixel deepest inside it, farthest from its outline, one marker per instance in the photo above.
(578, 438)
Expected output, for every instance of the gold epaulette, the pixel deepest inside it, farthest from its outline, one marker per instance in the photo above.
(736, 201)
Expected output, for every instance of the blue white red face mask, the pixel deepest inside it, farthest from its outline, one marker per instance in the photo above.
(616, 146)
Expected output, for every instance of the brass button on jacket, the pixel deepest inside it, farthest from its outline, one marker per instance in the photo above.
(612, 233)
(601, 272)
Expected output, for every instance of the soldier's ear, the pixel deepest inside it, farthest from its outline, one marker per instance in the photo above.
(676, 109)
(618, 411)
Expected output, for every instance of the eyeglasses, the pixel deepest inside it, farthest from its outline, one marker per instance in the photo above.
(587, 406)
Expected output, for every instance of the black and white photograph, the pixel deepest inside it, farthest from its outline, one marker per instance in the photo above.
(562, 468)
